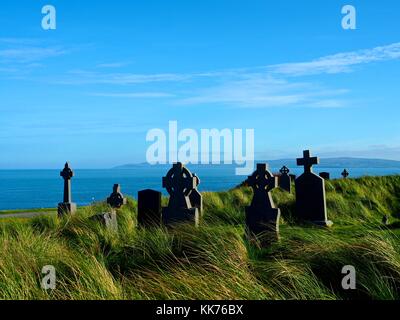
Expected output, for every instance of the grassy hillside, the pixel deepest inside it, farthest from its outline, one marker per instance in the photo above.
(213, 261)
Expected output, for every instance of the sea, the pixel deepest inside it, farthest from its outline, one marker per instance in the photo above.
(36, 189)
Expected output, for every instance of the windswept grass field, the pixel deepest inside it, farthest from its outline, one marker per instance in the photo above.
(213, 261)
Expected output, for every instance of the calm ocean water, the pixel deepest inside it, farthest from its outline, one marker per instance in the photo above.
(28, 189)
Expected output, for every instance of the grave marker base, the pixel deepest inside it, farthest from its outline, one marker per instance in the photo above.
(170, 217)
(326, 223)
(263, 225)
(66, 208)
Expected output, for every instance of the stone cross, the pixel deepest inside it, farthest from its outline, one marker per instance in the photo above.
(67, 207)
(285, 180)
(345, 174)
(310, 193)
(262, 218)
(67, 175)
(307, 161)
(116, 200)
(179, 183)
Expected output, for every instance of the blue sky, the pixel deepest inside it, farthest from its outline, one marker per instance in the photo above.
(89, 91)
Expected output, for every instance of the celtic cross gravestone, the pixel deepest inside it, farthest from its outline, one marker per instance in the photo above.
(67, 206)
(285, 180)
(179, 183)
(262, 218)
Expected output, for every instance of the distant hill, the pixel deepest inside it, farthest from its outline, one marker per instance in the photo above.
(325, 163)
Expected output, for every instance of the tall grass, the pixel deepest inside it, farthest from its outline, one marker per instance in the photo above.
(213, 261)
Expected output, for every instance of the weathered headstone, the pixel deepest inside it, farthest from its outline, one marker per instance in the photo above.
(310, 193)
(284, 179)
(67, 206)
(345, 174)
(196, 199)
(179, 183)
(108, 219)
(262, 218)
(149, 208)
(325, 175)
(116, 200)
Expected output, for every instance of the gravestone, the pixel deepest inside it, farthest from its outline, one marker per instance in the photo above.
(179, 183)
(345, 174)
(310, 193)
(325, 175)
(67, 206)
(149, 208)
(262, 218)
(292, 177)
(116, 200)
(108, 219)
(285, 180)
(196, 199)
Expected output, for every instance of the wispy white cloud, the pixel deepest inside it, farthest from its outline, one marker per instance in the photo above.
(20, 56)
(79, 77)
(112, 65)
(338, 63)
(132, 95)
(29, 54)
(261, 86)
(258, 90)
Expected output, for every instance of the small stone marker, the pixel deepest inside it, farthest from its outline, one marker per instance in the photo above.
(284, 179)
(345, 174)
(310, 193)
(180, 183)
(262, 218)
(108, 219)
(325, 175)
(196, 199)
(116, 200)
(149, 208)
(67, 206)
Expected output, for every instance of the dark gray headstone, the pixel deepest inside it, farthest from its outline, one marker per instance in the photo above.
(196, 199)
(310, 193)
(116, 200)
(325, 175)
(262, 218)
(179, 183)
(284, 179)
(292, 177)
(345, 174)
(67, 206)
(149, 208)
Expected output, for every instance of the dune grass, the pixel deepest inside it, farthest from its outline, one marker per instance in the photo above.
(213, 261)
